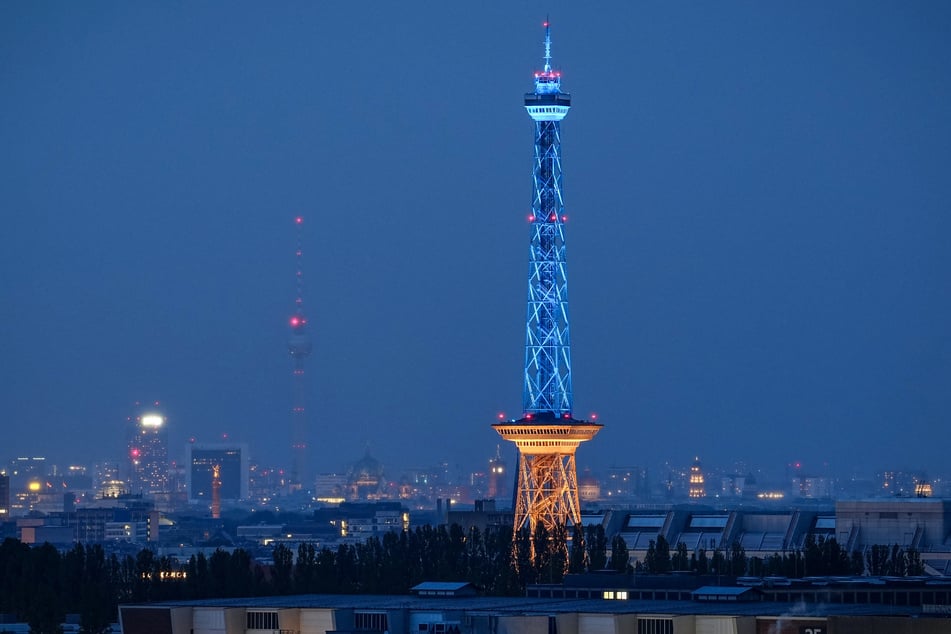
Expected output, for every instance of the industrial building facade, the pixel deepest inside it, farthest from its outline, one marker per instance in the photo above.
(320, 614)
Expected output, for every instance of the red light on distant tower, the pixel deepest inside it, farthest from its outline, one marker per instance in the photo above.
(299, 220)
(296, 321)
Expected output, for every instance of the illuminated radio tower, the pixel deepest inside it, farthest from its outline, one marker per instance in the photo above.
(547, 435)
(299, 347)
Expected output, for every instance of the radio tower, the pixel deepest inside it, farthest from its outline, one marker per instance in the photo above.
(299, 347)
(547, 435)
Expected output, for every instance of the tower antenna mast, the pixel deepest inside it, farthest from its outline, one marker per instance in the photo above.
(548, 434)
(299, 347)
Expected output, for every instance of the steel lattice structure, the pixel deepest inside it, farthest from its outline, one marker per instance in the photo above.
(547, 435)
(547, 386)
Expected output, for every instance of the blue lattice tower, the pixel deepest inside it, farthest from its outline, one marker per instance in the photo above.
(299, 347)
(547, 435)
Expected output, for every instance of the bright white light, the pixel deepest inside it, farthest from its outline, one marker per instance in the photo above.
(152, 420)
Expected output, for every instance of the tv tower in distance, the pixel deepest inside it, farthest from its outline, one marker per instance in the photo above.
(547, 435)
(299, 347)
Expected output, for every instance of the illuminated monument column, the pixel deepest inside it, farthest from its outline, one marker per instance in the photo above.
(547, 435)
(299, 347)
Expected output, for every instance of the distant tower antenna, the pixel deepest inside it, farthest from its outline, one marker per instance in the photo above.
(299, 347)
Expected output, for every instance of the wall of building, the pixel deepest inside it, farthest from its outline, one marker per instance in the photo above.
(895, 521)
(317, 621)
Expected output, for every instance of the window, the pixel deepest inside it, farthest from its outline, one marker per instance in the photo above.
(262, 621)
(370, 621)
(651, 625)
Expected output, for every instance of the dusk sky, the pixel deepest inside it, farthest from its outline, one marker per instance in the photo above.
(758, 237)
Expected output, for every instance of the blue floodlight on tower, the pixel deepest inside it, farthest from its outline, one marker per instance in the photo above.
(547, 389)
(547, 435)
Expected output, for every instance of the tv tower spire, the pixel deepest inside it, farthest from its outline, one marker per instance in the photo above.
(299, 347)
(548, 434)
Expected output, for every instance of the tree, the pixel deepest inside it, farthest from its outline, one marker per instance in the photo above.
(915, 567)
(663, 555)
(283, 569)
(45, 611)
(142, 576)
(620, 555)
(702, 564)
(876, 560)
(680, 560)
(97, 605)
(578, 558)
(737, 564)
(650, 558)
(597, 546)
(718, 563)
(305, 569)
(856, 563)
(896, 562)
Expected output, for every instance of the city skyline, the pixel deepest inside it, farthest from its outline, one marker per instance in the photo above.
(758, 259)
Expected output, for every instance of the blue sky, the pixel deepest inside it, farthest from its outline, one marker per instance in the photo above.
(757, 196)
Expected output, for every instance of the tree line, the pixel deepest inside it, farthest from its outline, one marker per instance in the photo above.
(820, 556)
(40, 584)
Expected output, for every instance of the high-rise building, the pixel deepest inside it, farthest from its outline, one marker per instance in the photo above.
(497, 476)
(697, 488)
(4, 495)
(231, 461)
(148, 452)
(299, 347)
(547, 435)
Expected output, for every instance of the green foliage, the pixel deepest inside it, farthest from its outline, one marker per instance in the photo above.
(578, 557)
(737, 564)
(620, 555)
(40, 585)
(680, 560)
(597, 547)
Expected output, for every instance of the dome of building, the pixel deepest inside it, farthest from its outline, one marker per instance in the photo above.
(589, 487)
(365, 477)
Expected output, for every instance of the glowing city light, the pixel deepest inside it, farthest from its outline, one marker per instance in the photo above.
(152, 420)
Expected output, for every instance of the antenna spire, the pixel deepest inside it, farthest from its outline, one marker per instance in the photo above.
(298, 257)
(547, 45)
